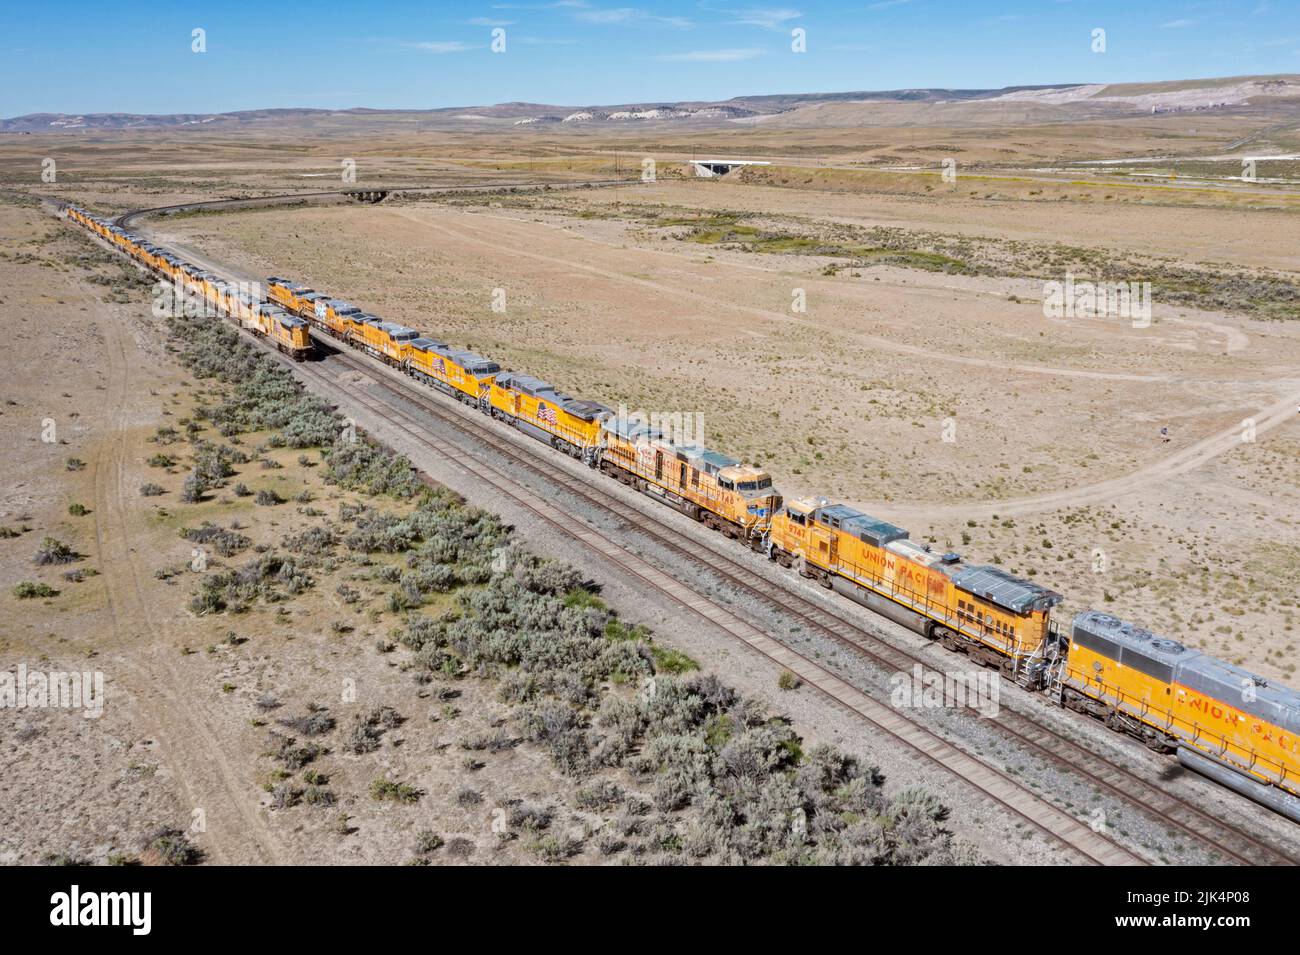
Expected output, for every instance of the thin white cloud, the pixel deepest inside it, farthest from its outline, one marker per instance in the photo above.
(559, 5)
(441, 46)
(489, 22)
(617, 16)
(711, 56)
(1177, 24)
(886, 4)
(765, 17)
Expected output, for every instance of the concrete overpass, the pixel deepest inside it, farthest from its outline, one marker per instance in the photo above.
(709, 168)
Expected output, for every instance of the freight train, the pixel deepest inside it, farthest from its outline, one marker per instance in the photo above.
(1221, 720)
(286, 331)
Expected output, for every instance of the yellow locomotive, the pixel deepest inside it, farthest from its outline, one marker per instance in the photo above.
(996, 618)
(568, 424)
(710, 487)
(387, 341)
(290, 334)
(463, 375)
(1224, 722)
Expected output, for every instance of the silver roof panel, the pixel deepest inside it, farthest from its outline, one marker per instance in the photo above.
(1004, 590)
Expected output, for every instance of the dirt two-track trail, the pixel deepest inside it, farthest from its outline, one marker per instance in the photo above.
(233, 830)
(501, 237)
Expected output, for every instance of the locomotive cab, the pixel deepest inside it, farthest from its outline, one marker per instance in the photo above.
(754, 486)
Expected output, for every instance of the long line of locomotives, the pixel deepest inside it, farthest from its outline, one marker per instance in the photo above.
(1221, 720)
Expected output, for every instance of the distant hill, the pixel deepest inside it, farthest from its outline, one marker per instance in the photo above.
(864, 107)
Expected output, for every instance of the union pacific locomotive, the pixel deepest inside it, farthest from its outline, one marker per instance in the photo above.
(1221, 720)
(288, 332)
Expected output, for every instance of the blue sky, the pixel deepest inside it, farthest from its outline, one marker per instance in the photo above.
(80, 57)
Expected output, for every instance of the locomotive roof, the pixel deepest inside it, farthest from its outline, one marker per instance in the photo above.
(398, 332)
(1132, 637)
(870, 529)
(702, 458)
(1241, 689)
(578, 407)
(1212, 677)
(632, 429)
(474, 363)
(584, 409)
(1004, 590)
(714, 461)
(428, 344)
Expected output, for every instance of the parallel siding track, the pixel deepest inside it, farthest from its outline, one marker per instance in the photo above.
(1233, 843)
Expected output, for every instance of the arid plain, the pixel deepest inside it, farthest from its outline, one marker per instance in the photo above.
(867, 328)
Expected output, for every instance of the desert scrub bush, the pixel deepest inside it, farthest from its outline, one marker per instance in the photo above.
(193, 488)
(368, 729)
(377, 533)
(29, 590)
(558, 727)
(225, 542)
(599, 794)
(363, 738)
(531, 816)
(315, 722)
(241, 490)
(427, 841)
(555, 847)
(78, 510)
(161, 460)
(494, 741)
(54, 551)
(268, 498)
(384, 789)
(9, 533)
(172, 847)
(610, 843)
(285, 796)
(668, 660)
(318, 796)
(313, 540)
(262, 579)
(75, 464)
(360, 466)
(467, 796)
(216, 462)
(261, 395)
(287, 751)
(460, 848)
(152, 490)
(787, 681)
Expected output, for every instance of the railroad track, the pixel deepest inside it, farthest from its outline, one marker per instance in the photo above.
(284, 198)
(997, 785)
(1233, 843)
